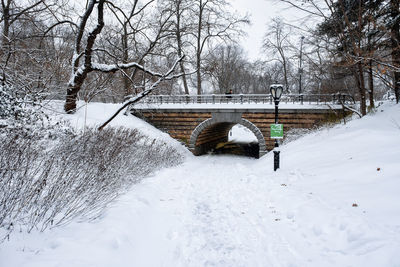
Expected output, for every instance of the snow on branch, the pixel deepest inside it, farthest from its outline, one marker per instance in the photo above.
(138, 97)
(351, 109)
(123, 66)
(383, 63)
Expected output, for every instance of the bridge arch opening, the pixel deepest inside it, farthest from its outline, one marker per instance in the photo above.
(213, 134)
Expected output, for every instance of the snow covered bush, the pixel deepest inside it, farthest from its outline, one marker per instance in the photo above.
(18, 108)
(22, 113)
(47, 184)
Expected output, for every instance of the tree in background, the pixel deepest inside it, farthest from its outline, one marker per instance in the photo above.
(84, 60)
(226, 66)
(363, 37)
(214, 24)
(182, 28)
(46, 44)
(277, 44)
(27, 43)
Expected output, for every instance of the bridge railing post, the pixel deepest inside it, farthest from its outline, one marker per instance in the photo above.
(241, 98)
(213, 98)
(301, 99)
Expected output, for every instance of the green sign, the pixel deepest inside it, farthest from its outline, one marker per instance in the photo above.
(276, 131)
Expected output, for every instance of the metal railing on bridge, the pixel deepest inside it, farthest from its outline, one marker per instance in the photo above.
(249, 99)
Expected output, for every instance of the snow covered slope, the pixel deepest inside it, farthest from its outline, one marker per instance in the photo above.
(334, 202)
(95, 114)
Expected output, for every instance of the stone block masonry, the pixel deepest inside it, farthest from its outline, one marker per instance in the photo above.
(201, 129)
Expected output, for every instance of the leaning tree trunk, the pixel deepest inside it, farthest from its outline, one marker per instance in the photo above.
(72, 92)
(79, 74)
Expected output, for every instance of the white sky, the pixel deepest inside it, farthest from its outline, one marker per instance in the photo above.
(261, 12)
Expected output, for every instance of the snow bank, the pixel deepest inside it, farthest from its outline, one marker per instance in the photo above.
(341, 190)
(95, 114)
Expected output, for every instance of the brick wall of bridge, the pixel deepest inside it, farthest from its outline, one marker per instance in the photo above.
(180, 124)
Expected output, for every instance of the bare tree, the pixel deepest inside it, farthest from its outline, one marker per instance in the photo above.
(83, 61)
(11, 11)
(181, 29)
(131, 20)
(35, 46)
(13, 15)
(368, 38)
(162, 77)
(213, 22)
(277, 43)
(227, 66)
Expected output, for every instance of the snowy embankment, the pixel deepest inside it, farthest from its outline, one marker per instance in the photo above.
(95, 114)
(334, 202)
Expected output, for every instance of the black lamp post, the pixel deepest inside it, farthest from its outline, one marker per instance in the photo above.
(276, 92)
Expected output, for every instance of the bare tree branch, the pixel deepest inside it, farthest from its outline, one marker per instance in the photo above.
(146, 92)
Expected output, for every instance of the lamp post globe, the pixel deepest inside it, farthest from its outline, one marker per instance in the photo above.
(276, 91)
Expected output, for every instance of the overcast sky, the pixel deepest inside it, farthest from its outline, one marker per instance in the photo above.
(261, 12)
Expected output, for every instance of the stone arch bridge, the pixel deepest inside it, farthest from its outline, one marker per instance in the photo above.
(201, 125)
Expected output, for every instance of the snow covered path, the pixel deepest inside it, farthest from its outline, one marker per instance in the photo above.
(334, 202)
(217, 211)
(225, 212)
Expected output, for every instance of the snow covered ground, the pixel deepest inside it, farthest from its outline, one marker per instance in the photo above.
(334, 202)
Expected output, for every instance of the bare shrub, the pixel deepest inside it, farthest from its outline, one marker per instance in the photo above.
(44, 185)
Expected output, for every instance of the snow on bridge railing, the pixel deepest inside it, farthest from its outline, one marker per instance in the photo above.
(248, 99)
